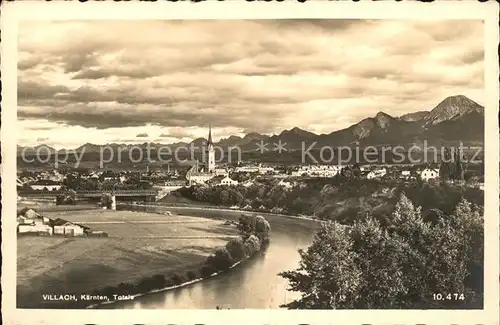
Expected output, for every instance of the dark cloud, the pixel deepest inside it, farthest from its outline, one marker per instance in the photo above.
(251, 75)
(41, 139)
(75, 62)
(33, 90)
(40, 128)
(473, 57)
(142, 135)
(105, 73)
(326, 24)
(30, 63)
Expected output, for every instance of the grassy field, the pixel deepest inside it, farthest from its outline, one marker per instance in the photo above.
(139, 245)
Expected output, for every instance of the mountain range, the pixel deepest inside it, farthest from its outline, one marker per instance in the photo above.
(455, 119)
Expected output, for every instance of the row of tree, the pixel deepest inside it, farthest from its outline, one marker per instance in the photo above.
(404, 263)
(254, 231)
(321, 198)
(87, 184)
(67, 197)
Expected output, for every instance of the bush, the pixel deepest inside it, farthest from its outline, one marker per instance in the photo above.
(252, 245)
(191, 276)
(106, 200)
(125, 288)
(221, 260)
(177, 279)
(254, 225)
(236, 249)
(262, 228)
(158, 281)
(207, 270)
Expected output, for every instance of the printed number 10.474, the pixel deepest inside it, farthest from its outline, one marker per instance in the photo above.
(449, 296)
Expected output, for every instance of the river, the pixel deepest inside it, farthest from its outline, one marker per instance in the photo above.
(253, 284)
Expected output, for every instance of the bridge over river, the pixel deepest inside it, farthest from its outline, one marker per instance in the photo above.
(148, 194)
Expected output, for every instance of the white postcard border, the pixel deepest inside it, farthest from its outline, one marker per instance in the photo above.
(13, 12)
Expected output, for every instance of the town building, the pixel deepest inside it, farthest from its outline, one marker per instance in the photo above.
(31, 222)
(67, 228)
(376, 173)
(317, 171)
(195, 175)
(248, 183)
(429, 173)
(221, 172)
(35, 228)
(285, 184)
(210, 152)
(47, 185)
(255, 169)
(228, 181)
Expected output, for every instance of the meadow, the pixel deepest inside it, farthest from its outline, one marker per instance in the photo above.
(139, 245)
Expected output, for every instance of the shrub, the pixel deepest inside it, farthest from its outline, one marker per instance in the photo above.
(106, 200)
(158, 281)
(262, 228)
(191, 275)
(125, 288)
(177, 279)
(254, 225)
(207, 270)
(252, 245)
(221, 260)
(236, 249)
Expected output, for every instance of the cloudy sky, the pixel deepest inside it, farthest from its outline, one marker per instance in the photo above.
(166, 81)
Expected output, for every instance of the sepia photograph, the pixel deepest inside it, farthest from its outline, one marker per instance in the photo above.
(226, 164)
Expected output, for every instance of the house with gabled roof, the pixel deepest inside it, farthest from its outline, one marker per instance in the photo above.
(67, 228)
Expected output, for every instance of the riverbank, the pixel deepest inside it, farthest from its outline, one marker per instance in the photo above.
(254, 240)
(226, 210)
(174, 287)
(49, 206)
(139, 245)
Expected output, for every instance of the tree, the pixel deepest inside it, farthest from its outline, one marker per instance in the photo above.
(262, 228)
(399, 263)
(191, 275)
(245, 226)
(207, 270)
(377, 256)
(106, 200)
(236, 249)
(221, 260)
(327, 277)
(254, 225)
(68, 197)
(460, 165)
(252, 245)
(177, 279)
(224, 197)
(446, 170)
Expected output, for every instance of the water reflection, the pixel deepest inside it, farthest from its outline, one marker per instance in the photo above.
(253, 284)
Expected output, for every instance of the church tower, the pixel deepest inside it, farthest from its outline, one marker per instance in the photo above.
(211, 152)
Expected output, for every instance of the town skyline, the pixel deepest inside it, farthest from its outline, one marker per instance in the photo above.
(320, 77)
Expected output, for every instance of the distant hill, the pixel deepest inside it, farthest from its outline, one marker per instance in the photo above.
(412, 117)
(456, 118)
(452, 107)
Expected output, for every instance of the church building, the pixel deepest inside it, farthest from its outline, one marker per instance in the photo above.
(210, 152)
(197, 176)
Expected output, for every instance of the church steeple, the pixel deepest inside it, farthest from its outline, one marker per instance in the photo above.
(210, 136)
(211, 152)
